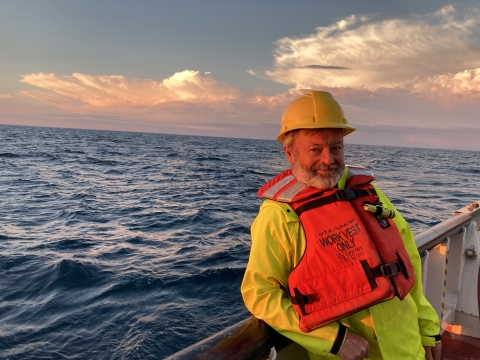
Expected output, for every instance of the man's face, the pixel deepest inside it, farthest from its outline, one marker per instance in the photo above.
(317, 157)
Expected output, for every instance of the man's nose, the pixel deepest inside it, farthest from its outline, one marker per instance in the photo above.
(327, 157)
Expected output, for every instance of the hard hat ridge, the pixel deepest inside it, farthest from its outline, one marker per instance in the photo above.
(314, 110)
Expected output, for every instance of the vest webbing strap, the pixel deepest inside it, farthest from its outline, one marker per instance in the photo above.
(339, 195)
(301, 300)
(337, 344)
(382, 270)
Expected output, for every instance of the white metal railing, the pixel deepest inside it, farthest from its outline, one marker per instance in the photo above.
(450, 266)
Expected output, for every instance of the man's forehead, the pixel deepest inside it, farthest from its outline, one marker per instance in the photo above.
(321, 136)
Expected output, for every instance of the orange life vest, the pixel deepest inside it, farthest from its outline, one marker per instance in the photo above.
(353, 259)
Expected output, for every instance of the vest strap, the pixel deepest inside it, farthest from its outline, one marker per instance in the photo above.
(339, 195)
(300, 300)
(339, 340)
(388, 270)
(383, 270)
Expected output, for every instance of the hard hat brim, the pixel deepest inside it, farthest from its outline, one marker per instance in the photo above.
(346, 128)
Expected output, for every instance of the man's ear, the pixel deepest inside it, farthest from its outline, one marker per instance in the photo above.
(288, 154)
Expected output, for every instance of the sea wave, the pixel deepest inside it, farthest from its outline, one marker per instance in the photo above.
(128, 245)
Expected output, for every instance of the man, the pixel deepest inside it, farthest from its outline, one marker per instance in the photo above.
(353, 295)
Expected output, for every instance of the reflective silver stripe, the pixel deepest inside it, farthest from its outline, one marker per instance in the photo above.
(358, 170)
(289, 194)
(270, 193)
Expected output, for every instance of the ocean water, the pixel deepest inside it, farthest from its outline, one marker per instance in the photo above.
(118, 245)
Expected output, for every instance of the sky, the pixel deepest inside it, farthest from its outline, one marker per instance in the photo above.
(406, 73)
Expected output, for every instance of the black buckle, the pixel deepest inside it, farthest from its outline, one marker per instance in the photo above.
(347, 194)
(301, 300)
(392, 269)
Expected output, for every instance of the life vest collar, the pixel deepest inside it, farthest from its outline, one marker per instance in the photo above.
(284, 187)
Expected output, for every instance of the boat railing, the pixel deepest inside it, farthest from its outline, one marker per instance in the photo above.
(450, 279)
(450, 270)
(453, 226)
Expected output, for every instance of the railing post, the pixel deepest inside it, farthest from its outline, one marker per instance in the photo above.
(468, 303)
(437, 267)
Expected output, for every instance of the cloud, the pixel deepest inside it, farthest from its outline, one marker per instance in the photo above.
(187, 101)
(464, 84)
(188, 97)
(276, 101)
(418, 52)
(323, 67)
(110, 91)
(6, 96)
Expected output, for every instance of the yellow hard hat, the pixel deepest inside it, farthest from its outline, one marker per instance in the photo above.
(313, 110)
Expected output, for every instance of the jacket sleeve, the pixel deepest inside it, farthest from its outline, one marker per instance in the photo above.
(276, 241)
(428, 321)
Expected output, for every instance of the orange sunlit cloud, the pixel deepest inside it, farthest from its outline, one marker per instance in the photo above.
(107, 91)
(464, 85)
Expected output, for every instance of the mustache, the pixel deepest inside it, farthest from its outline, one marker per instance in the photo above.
(325, 167)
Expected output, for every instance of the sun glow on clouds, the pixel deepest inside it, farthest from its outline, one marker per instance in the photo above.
(439, 51)
(119, 91)
(384, 72)
(436, 55)
(465, 84)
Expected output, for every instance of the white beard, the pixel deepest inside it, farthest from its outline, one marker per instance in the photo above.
(311, 178)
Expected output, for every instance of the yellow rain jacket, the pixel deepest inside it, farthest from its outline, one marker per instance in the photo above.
(395, 329)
